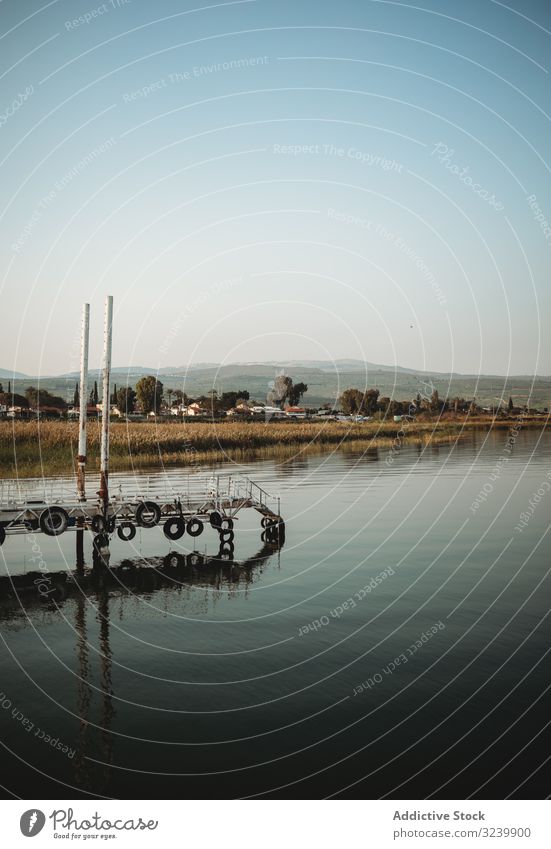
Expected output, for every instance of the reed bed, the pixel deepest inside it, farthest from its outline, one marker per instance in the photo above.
(45, 448)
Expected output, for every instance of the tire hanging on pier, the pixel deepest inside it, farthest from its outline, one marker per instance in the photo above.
(54, 521)
(2, 535)
(126, 531)
(103, 524)
(148, 514)
(226, 536)
(215, 520)
(195, 527)
(174, 528)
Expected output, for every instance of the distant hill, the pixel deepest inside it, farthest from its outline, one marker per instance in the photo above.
(326, 380)
(6, 374)
(97, 372)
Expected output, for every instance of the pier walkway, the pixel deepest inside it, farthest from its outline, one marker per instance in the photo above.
(181, 502)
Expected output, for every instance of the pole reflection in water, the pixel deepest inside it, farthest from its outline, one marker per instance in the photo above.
(84, 692)
(92, 593)
(106, 683)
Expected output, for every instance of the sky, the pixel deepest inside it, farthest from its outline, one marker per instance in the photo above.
(271, 180)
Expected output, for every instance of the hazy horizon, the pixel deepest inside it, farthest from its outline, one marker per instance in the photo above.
(6, 374)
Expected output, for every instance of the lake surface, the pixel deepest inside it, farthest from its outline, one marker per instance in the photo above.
(396, 646)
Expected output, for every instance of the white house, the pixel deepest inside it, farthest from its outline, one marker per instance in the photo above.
(273, 412)
(194, 409)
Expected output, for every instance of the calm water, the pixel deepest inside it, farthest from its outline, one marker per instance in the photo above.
(293, 675)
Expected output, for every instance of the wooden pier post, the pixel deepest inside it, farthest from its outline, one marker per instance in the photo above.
(83, 404)
(106, 390)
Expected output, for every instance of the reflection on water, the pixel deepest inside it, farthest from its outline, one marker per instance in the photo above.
(147, 576)
(84, 694)
(181, 672)
(107, 593)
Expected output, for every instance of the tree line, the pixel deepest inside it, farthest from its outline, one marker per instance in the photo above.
(356, 402)
(149, 396)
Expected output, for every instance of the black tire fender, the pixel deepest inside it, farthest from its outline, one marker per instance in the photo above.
(215, 520)
(226, 536)
(148, 514)
(195, 527)
(101, 524)
(174, 528)
(126, 531)
(53, 521)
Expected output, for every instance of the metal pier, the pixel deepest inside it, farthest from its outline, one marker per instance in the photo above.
(180, 502)
(183, 503)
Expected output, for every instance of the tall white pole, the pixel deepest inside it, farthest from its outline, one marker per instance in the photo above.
(83, 403)
(106, 391)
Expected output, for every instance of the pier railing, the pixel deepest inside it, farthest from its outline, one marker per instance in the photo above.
(51, 490)
(168, 486)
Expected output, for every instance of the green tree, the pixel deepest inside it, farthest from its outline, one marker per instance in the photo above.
(383, 403)
(76, 396)
(228, 400)
(396, 408)
(371, 399)
(94, 397)
(288, 388)
(510, 404)
(14, 400)
(354, 402)
(38, 398)
(296, 392)
(351, 401)
(149, 392)
(126, 398)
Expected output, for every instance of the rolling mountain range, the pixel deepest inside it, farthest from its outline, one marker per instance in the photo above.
(326, 380)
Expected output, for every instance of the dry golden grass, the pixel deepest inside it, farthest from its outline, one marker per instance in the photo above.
(28, 448)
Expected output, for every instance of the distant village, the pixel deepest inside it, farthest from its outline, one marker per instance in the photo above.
(149, 400)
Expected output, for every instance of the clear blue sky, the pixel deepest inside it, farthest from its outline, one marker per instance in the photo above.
(267, 180)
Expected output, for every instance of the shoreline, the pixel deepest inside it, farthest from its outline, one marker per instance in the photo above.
(30, 449)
